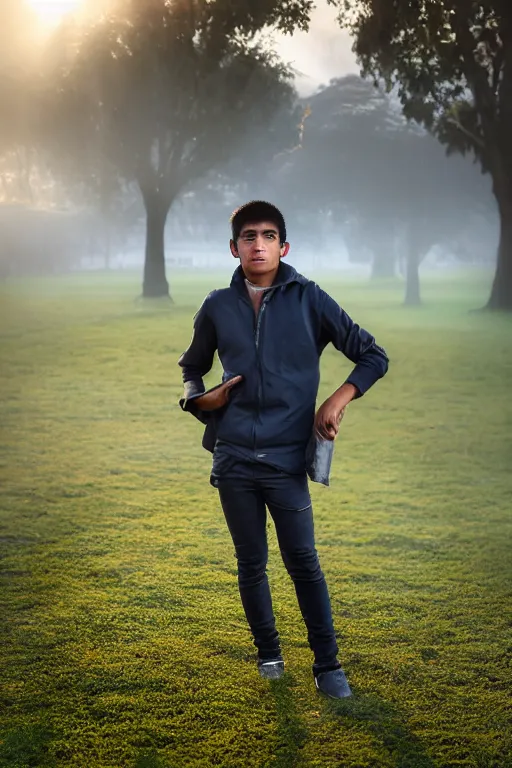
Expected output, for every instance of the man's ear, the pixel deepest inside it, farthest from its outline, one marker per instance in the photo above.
(234, 249)
(284, 250)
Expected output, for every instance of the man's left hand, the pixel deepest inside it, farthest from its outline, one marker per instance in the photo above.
(328, 419)
(329, 415)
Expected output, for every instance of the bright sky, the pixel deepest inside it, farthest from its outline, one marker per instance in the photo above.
(320, 54)
(50, 12)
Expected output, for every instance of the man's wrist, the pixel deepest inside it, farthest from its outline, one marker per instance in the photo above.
(345, 394)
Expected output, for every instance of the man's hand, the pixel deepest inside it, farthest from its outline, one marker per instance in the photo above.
(328, 419)
(219, 397)
(329, 415)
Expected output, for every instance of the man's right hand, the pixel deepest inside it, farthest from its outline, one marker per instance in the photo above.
(219, 397)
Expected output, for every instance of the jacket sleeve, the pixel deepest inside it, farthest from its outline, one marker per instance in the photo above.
(354, 342)
(197, 360)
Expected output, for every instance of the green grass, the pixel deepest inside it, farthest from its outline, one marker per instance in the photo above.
(123, 640)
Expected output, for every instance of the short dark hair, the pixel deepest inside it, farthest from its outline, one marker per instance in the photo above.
(257, 210)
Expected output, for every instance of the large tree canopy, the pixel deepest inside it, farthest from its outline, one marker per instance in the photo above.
(451, 61)
(170, 89)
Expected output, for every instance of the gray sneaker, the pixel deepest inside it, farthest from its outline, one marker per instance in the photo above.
(334, 684)
(271, 669)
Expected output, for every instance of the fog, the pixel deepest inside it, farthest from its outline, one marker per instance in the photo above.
(361, 189)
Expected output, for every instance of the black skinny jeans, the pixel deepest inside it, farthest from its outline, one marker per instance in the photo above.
(246, 490)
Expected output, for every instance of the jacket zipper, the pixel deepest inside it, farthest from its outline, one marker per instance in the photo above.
(260, 376)
(258, 320)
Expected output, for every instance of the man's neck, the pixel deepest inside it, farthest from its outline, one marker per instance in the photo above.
(256, 298)
(262, 281)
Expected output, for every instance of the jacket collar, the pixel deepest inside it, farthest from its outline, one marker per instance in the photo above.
(286, 274)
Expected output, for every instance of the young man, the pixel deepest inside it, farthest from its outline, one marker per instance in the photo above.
(270, 328)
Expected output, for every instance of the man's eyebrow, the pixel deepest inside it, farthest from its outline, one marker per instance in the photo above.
(265, 231)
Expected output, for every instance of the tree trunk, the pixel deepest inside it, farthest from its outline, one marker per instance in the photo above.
(155, 283)
(501, 292)
(412, 278)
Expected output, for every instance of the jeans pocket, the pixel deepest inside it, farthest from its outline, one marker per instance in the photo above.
(222, 464)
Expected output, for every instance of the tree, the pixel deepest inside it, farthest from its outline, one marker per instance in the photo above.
(167, 90)
(344, 150)
(438, 197)
(451, 61)
(387, 182)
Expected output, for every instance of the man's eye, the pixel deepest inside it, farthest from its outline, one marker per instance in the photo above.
(271, 236)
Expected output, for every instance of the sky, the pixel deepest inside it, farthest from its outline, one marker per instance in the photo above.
(320, 54)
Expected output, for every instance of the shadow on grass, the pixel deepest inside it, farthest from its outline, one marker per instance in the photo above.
(291, 733)
(386, 725)
(25, 747)
(148, 759)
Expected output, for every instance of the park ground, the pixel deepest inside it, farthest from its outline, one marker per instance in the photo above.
(123, 641)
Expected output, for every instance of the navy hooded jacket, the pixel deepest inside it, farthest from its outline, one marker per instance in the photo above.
(270, 414)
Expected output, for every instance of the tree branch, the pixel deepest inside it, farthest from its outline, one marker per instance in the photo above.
(475, 139)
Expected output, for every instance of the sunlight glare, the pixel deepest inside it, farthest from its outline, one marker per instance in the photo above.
(51, 12)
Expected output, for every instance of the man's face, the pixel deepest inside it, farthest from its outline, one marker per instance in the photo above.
(259, 248)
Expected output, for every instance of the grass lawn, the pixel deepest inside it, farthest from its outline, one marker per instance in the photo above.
(123, 640)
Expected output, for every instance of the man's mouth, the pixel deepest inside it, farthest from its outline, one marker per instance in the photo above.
(258, 260)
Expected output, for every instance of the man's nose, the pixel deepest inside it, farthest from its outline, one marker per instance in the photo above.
(259, 243)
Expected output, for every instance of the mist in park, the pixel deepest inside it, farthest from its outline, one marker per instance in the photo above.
(114, 161)
(132, 556)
